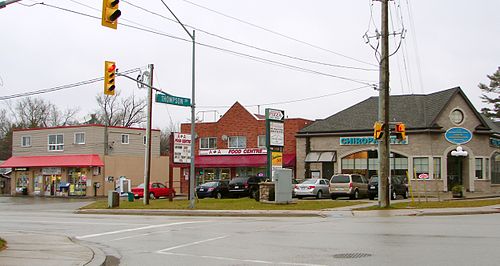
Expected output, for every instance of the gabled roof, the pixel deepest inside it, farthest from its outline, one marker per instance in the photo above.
(417, 111)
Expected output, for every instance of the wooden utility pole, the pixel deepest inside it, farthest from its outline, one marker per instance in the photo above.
(147, 157)
(383, 146)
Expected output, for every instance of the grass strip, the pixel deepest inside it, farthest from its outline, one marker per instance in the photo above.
(225, 204)
(436, 204)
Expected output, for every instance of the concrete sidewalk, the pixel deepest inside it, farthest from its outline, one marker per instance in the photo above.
(29, 248)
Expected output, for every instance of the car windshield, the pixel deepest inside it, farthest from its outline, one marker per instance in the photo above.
(374, 179)
(340, 179)
(309, 181)
(210, 184)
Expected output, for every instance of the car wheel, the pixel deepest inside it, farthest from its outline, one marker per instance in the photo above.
(299, 197)
(393, 195)
(356, 195)
(218, 195)
(152, 196)
(333, 197)
(319, 195)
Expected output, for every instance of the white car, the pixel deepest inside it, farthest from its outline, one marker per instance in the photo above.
(314, 187)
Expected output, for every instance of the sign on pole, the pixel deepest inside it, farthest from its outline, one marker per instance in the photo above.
(275, 139)
(182, 148)
(170, 99)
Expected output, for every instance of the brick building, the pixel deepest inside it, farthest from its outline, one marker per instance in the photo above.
(235, 145)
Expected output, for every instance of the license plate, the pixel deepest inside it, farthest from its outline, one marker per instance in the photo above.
(201, 189)
(236, 187)
(338, 188)
(372, 187)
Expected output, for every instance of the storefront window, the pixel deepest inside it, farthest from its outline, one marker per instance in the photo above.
(261, 141)
(421, 165)
(77, 183)
(437, 168)
(479, 168)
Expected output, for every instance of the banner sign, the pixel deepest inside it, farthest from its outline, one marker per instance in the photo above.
(247, 151)
(370, 141)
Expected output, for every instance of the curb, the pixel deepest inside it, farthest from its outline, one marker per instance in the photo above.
(98, 258)
(212, 213)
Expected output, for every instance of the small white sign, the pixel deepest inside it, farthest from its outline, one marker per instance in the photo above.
(182, 148)
(423, 176)
(277, 132)
(275, 114)
(51, 171)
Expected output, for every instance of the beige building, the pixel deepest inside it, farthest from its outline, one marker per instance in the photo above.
(85, 160)
(447, 141)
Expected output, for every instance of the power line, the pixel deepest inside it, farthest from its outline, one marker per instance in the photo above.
(58, 88)
(277, 33)
(252, 46)
(294, 101)
(255, 58)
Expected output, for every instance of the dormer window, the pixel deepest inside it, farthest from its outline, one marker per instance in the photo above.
(457, 116)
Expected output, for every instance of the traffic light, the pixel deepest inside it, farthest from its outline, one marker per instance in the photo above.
(110, 13)
(378, 130)
(400, 131)
(109, 77)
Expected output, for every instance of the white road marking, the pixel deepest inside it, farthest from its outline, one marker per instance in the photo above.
(136, 229)
(191, 244)
(56, 222)
(240, 260)
(146, 234)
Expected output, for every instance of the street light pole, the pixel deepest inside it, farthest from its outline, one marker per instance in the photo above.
(193, 114)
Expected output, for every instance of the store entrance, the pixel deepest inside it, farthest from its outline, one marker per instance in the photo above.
(455, 170)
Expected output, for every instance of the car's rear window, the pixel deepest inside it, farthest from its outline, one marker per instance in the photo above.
(238, 180)
(210, 184)
(340, 179)
(309, 181)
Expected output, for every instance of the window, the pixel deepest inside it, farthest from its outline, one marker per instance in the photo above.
(479, 168)
(495, 168)
(80, 138)
(26, 141)
(437, 168)
(208, 143)
(457, 117)
(421, 165)
(237, 142)
(125, 139)
(56, 142)
(261, 141)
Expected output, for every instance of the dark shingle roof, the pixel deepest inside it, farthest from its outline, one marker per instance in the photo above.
(416, 111)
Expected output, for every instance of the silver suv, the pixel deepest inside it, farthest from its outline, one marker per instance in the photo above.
(353, 186)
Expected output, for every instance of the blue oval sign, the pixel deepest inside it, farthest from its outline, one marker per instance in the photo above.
(458, 135)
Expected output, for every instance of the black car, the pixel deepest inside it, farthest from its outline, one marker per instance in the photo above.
(396, 187)
(214, 189)
(245, 186)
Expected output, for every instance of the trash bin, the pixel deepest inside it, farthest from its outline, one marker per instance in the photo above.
(130, 196)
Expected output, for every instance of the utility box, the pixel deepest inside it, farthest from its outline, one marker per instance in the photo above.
(113, 199)
(282, 178)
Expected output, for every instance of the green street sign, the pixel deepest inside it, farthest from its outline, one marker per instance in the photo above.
(169, 99)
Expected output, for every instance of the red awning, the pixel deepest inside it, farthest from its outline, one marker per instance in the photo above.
(240, 160)
(79, 160)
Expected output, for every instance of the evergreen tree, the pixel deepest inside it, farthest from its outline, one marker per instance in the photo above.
(493, 89)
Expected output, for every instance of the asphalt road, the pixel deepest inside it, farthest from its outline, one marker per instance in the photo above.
(334, 240)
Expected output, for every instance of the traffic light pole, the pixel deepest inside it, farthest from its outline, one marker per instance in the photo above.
(383, 146)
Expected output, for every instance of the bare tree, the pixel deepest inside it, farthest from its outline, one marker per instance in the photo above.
(127, 112)
(165, 138)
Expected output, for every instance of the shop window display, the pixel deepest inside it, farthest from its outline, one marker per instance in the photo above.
(77, 182)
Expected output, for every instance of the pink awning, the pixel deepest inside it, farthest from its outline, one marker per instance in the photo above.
(79, 160)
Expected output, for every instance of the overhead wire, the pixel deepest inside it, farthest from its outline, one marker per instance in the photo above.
(255, 58)
(277, 33)
(248, 45)
(415, 45)
(399, 66)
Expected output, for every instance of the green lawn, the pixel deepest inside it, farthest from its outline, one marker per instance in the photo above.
(438, 204)
(2, 244)
(226, 204)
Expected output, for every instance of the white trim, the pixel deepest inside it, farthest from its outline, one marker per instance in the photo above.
(22, 142)
(128, 138)
(74, 138)
(56, 144)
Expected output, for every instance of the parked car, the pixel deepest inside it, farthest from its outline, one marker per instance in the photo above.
(214, 189)
(245, 186)
(397, 187)
(352, 185)
(314, 187)
(156, 190)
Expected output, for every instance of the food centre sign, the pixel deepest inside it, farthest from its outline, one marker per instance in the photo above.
(182, 148)
(233, 151)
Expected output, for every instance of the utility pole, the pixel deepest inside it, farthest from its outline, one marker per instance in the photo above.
(383, 146)
(147, 157)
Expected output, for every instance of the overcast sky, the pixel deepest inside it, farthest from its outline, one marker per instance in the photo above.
(447, 44)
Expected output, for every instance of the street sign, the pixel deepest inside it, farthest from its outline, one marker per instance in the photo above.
(273, 114)
(170, 99)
